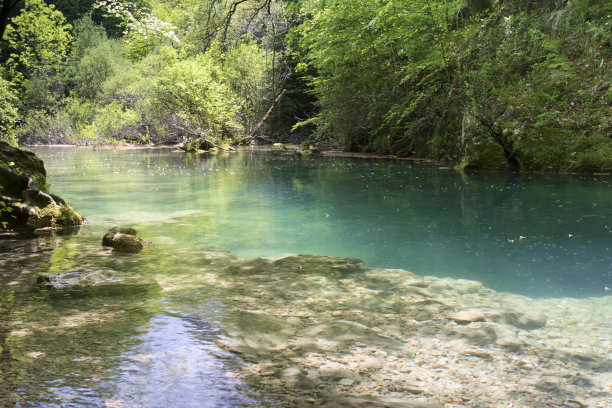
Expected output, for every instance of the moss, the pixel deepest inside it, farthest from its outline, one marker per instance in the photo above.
(16, 166)
(54, 217)
(544, 148)
(486, 155)
(592, 155)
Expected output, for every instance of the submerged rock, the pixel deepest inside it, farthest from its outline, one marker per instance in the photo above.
(26, 206)
(467, 316)
(123, 240)
(525, 321)
(302, 264)
(84, 280)
(74, 280)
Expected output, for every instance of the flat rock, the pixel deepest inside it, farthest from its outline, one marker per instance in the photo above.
(467, 316)
(525, 321)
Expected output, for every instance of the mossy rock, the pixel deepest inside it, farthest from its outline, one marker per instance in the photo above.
(19, 170)
(54, 216)
(486, 155)
(545, 148)
(196, 144)
(20, 215)
(24, 204)
(123, 240)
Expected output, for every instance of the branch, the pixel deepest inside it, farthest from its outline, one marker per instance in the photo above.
(261, 122)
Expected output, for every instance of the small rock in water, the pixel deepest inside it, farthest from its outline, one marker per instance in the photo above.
(375, 402)
(123, 240)
(36, 354)
(346, 382)
(410, 389)
(525, 321)
(370, 364)
(467, 316)
(479, 353)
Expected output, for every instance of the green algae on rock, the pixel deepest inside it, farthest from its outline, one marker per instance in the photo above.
(123, 240)
(25, 205)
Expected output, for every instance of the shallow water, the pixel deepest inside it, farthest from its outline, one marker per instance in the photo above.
(192, 321)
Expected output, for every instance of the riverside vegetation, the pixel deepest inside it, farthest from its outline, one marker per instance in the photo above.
(491, 84)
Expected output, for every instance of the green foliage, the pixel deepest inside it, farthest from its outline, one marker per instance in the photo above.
(39, 40)
(193, 99)
(246, 72)
(87, 35)
(463, 81)
(143, 30)
(8, 112)
(97, 65)
(370, 57)
(109, 122)
(41, 127)
(491, 84)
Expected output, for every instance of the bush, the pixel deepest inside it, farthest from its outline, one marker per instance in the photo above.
(40, 127)
(245, 68)
(95, 66)
(191, 98)
(111, 122)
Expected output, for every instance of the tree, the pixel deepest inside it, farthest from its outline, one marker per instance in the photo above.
(39, 39)
(192, 98)
(8, 111)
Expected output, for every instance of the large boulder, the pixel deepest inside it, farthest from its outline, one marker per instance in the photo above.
(25, 205)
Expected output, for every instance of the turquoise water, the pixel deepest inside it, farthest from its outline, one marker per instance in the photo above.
(537, 235)
(194, 321)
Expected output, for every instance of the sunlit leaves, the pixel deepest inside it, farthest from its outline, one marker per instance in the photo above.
(39, 39)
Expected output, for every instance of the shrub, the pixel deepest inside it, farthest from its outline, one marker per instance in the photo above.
(190, 98)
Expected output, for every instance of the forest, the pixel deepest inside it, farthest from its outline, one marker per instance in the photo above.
(479, 84)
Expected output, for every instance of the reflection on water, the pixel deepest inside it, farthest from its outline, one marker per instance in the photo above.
(539, 235)
(191, 321)
(177, 364)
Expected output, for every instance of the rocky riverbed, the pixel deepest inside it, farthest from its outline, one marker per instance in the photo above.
(320, 330)
(315, 330)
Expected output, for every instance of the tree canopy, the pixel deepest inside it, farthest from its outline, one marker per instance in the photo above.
(511, 84)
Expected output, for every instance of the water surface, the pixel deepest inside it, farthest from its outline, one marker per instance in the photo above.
(193, 321)
(538, 235)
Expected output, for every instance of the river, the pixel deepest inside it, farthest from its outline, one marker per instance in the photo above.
(198, 319)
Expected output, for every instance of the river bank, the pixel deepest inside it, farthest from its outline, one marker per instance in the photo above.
(290, 149)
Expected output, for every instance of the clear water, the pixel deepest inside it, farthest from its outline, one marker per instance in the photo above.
(153, 335)
(538, 235)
